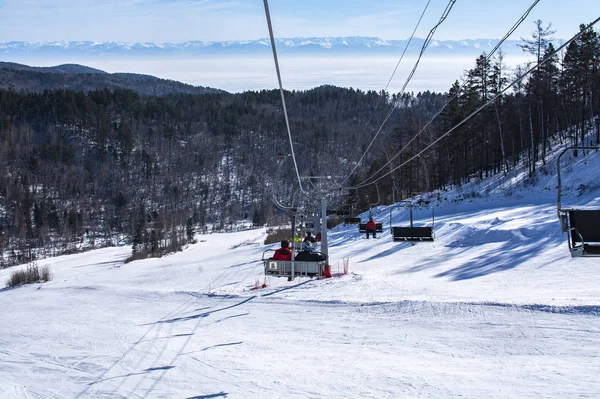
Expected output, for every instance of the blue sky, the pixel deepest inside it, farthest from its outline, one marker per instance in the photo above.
(216, 20)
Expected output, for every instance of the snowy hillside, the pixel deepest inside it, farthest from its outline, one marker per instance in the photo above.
(495, 307)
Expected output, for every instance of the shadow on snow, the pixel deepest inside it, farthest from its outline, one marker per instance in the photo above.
(214, 395)
(200, 315)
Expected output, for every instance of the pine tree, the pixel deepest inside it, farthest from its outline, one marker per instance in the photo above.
(542, 38)
(190, 231)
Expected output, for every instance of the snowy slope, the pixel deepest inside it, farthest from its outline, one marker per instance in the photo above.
(494, 307)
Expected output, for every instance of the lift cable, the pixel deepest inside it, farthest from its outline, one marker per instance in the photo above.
(543, 61)
(489, 56)
(287, 122)
(423, 48)
(362, 136)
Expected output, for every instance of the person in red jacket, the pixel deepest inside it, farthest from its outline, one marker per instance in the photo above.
(283, 253)
(371, 227)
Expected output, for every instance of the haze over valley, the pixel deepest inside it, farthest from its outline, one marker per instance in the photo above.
(364, 63)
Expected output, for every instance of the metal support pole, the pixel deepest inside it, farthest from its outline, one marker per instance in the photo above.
(411, 214)
(324, 248)
(293, 242)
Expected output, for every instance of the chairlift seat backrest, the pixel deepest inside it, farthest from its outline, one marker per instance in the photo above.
(362, 227)
(587, 223)
(422, 233)
(583, 227)
(412, 233)
(283, 268)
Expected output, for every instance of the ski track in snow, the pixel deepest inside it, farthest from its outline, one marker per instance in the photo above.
(494, 307)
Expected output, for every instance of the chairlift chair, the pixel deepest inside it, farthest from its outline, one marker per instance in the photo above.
(362, 227)
(351, 219)
(581, 225)
(412, 233)
(291, 268)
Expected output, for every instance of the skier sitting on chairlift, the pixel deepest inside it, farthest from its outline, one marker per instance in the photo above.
(283, 253)
(308, 256)
(309, 239)
(371, 227)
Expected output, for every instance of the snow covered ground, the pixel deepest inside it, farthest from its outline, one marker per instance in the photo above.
(495, 307)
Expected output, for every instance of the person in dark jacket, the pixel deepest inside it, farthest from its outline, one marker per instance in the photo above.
(310, 240)
(308, 256)
(283, 253)
(371, 228)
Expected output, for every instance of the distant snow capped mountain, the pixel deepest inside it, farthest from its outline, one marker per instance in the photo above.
(352, 44)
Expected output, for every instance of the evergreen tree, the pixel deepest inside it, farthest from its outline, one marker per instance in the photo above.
(190, 232)
(542, 38)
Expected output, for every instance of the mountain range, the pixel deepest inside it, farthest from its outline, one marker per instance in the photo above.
(324, 45)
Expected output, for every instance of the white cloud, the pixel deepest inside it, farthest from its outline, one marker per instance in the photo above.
(219, 20)
(127, 20)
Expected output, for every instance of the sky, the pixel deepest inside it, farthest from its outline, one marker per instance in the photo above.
(178, 21)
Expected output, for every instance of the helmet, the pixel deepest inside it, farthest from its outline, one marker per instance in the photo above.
(285, 244)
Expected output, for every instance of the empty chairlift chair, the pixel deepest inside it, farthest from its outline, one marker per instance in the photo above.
(348, 218)
(582, 224)
(411, 232)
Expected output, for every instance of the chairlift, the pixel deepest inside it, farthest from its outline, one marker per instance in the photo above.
(581, 225)
(372, 204)
(362, 227)
(412, 233)
(352, 219)
(292, 268)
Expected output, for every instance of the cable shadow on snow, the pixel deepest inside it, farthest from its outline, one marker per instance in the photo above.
(200, 315)
(245, 263)
(232, 317)
(132, 374)
(359, 249)
(115, 262)
(214, 395)
(387, 252)
(159, 338)
(220, 345)
(508, 256)
(430, 264)
(16, 287)
(286, 288)
(212, 347)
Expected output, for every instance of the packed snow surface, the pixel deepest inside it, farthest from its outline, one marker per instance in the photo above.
(495, 307)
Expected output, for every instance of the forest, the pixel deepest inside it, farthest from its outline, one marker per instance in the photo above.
(83, 169)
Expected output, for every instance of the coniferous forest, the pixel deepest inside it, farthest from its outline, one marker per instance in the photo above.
(85, 169)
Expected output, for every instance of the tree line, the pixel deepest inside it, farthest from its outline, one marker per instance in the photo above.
(85, 169)
(559, 99)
